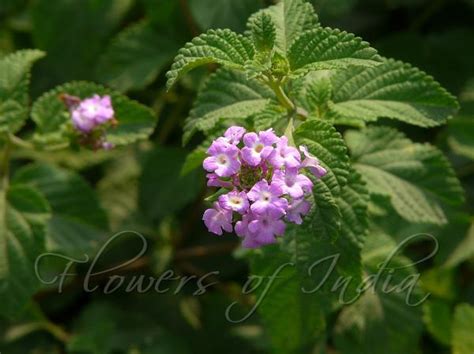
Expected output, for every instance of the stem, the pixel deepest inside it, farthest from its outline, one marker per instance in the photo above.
(20, 142)
(280, 94)
(5, 165)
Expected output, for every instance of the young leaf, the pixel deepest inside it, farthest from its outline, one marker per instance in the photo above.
(290, 18)
(221, 46)
(417, 178)
(14, 88)
(227, 94)
(462, 340)
(78, 223)
(136, 56)
(392, 90)
(135, 121)
(23, 216)
(327, 48)
(263, 32)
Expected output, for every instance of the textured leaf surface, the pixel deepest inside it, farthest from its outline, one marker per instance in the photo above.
(291, 18)
(221, 46)
(262, 30)
(78, 223)
(392, 90)
(14, 88)
(135, 121)
(463, 341)
(136, 56)
(227, 94)
(23, 216)
(417, 177)
(327, 48)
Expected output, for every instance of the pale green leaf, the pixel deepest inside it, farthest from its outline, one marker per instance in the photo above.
(462, 340)
(417, 178)
(227, 94)
(14, 88)
(327, 48)
(437, 316)
(23, 216)
(136, 56)
(392, 90)
(262, 30)
(221, 46)
(53, 121)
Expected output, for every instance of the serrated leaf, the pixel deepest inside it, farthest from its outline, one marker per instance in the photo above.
(381, 320)
(135, 121)
(313, 92)
(227, 94)
(327, 48)
(23, 216)
(221, 46)
(14, 88)
(462, 340)
(136, 56)
(392, 90)
(416, 177)
(262, 30)
(78, 223)
(272, 116)
(324, 142)
(291, 18)
(437, 316)
(461, 136)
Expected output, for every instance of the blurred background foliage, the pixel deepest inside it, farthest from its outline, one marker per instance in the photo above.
(128, 45)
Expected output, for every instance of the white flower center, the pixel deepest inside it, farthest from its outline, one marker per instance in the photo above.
(259, 147)
(266, 196)
(222, 159)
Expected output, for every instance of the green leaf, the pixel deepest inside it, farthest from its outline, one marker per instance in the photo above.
(224, 13)
(327, 48)
(136, 56)
(23, 216)
(262, 30)
(416, 177)
(381, 320)
(163, 191)
(272, 116)
(78, 224)
(194, 160)
(135, 121)
(392, 90)
(291, 18)
(14, 88)
(324, 142)
(462, 340)
(461, 136)
(438, 317)
(303, 322)
(221, 46)
(227, 94)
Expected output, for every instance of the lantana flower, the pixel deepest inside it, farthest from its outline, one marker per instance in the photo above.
(263, 185)
(90, 117)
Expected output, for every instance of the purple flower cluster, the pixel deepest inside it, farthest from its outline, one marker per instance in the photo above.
(262, 185)
(89, 116)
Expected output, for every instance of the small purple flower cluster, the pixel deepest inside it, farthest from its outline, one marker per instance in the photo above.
(89, 116)
(262, 183)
